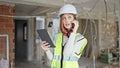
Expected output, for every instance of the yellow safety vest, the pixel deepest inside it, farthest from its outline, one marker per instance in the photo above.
(67, 61)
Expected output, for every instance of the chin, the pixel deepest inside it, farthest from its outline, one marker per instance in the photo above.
(68, 28)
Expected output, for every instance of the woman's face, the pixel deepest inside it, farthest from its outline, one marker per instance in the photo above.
(67, 20)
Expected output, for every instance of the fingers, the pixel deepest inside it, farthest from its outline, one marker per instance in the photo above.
(75, 22)
(45, 46)
(48, 46)
(44, 43)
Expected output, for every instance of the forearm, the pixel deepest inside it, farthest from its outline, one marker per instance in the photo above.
(79, 47)
(75, 46)
(49, 54)
(69, 45)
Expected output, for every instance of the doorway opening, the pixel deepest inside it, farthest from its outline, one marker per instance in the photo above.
(21, 40)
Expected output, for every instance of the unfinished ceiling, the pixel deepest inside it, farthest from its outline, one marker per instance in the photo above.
(22, 9)
(40, 7)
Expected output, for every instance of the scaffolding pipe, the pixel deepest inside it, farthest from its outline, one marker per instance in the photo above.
(93, 52)
(108, 57)
(7, 46)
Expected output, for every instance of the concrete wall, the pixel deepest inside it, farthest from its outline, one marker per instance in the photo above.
(108, 33)
(31, 38)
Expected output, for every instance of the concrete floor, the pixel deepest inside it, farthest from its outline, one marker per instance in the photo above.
(35, 64)
(88, 63)
(83, 62)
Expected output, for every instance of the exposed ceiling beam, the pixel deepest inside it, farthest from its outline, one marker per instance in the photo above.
(34, 2)
(39, 11)
(45, 3)
(43, 11)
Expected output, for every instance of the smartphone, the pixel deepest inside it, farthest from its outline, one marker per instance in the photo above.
(73, 25)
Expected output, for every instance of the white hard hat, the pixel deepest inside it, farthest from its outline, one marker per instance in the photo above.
(68, 8)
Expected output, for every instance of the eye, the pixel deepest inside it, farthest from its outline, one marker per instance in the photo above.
(69, 17)
(63, 18)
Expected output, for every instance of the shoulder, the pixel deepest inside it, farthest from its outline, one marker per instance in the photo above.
(56, 36)
(79, 37)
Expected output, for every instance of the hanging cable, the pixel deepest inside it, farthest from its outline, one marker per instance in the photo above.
(93, 52)
(93, 39)
(105, 2)
(86, 25)
(95, 29)
(109, 5)
(95, 4)
(114, 10)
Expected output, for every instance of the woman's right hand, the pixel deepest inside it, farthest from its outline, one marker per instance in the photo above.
(45, 46)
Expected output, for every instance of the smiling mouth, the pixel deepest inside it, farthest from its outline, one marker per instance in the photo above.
(67, 24)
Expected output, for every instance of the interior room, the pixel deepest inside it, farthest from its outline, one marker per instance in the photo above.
(99, 23)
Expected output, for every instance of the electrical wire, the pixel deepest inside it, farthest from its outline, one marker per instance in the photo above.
(93, 41)
(114, 10)
(106, 9)
(86, 25)
(95, 4)
(106, 17)
(95, 27)
(109, 4)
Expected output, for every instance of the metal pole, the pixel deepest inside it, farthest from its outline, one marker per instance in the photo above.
(93, 45)
(7, 48)
(108, 57)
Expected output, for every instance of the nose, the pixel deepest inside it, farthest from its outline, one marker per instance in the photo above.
(67, 20)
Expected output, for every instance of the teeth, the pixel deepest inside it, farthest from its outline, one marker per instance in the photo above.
(67, 24)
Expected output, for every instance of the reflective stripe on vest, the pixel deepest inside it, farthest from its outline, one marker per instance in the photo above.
(66, 58)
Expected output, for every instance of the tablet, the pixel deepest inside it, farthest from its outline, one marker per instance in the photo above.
(45, 36)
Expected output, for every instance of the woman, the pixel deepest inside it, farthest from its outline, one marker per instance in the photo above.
(69, 43)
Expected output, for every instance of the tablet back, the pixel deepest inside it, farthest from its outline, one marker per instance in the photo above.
(45, 36)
